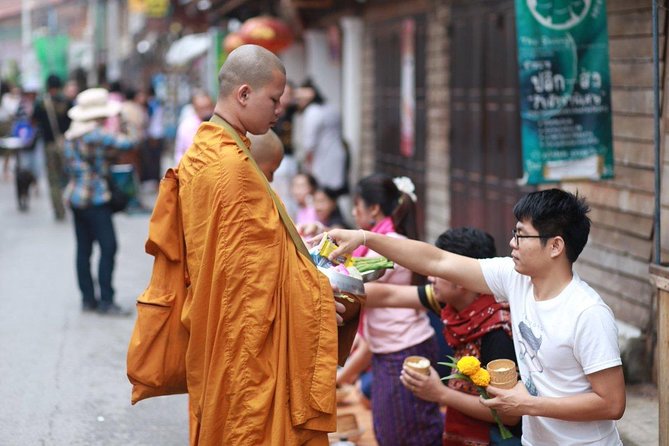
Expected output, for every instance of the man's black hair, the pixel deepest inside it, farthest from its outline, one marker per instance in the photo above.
(556, 212)
(116, 87)
(53, 81)
(130, 94)
(466, 241)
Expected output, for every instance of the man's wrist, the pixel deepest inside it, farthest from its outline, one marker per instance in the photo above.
(531, 406)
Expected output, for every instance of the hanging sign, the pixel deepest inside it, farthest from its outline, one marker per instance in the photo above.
(565, 90)
(157, 8)
(52, 54)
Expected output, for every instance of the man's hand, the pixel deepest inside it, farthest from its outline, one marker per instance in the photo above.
(514, 402)
(425, 387)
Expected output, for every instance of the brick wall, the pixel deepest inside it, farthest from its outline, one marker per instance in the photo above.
(615, 261)
(366, 161)
(437, 208)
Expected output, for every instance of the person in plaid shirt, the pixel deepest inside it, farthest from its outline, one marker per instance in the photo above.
(89, 150)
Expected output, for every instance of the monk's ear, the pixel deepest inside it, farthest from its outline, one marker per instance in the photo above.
(243, 93)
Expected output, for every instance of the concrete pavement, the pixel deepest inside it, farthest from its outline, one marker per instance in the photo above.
(63, 372)
(640, 426)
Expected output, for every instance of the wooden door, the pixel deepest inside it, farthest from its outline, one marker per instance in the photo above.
(485, 124)
(387, 99)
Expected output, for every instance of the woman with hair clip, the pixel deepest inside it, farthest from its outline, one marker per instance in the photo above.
(386, 206)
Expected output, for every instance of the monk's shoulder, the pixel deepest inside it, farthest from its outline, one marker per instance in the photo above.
(212, 135)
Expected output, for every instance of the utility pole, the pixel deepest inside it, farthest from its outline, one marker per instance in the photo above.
(113, 40)
(26, 37)
(92, 40)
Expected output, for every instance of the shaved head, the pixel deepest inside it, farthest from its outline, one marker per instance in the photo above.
(202, 105)
(267, 151)
(248, 64)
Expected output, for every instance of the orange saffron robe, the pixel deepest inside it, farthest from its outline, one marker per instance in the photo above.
(262, 355)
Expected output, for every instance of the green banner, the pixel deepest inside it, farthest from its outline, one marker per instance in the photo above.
(52, 54)
(565, 90)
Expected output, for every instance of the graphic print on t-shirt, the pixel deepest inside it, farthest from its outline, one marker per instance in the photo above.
(530, 345)
(529, 349)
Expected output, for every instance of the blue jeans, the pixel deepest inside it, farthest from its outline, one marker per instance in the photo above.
(91, 225)
(496, 438)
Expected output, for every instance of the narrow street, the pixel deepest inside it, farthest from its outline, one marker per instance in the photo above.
(63, 371)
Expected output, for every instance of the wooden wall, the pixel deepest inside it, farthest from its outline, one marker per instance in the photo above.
(437, 206)
(615, 261)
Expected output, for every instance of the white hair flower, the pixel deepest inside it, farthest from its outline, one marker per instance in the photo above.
(406, 186)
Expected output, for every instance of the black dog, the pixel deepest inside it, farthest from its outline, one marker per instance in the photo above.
(24, 179)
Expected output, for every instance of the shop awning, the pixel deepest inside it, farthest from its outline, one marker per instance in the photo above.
(187, 48)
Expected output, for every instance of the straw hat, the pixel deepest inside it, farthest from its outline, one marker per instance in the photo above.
(93, 103)
(31, 85)
(80, 128)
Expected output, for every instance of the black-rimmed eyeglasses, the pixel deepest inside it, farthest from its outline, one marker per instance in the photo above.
(517, 237)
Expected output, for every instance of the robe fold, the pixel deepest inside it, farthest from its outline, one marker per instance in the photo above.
(262, 355)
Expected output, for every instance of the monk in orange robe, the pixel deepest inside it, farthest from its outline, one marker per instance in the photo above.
(262, 355)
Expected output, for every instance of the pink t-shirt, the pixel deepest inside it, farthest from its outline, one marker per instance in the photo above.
(185, 134)
(389, 330)
(306, 215)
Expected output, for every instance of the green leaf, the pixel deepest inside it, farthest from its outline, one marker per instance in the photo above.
(506, 434)
(450, 364)
(457, 376)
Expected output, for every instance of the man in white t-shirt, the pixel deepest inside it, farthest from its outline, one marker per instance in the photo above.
(565, 336)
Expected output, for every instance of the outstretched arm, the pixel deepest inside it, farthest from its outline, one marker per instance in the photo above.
(417, 256)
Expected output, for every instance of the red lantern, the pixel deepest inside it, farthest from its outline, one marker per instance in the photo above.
(232, 41)
(268, 32)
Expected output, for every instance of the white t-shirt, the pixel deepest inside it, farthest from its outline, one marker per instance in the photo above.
(558, 342)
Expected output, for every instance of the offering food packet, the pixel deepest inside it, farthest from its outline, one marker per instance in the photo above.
(321, 253)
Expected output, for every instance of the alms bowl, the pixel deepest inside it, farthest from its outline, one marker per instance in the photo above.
(369, 276)
(346, 284)
(351, 292)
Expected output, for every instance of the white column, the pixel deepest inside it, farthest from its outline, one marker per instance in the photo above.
(113, 40)
(294, 59)
(91, 39)
(26, 35)
(352, 30)
(323, 70)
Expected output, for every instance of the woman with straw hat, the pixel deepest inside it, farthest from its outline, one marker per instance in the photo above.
(88, 152)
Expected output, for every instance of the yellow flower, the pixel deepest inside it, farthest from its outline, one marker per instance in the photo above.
(468, 365)
(481, 378)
